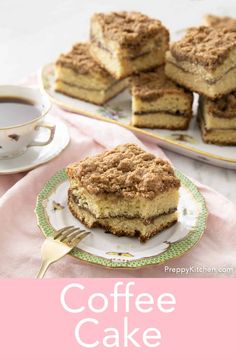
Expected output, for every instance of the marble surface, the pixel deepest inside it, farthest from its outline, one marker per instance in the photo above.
(34, 33)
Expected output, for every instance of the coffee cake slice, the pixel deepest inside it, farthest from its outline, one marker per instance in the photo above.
(204, 61)
(126, 191)
(78, 75)
(218, 120)
(220, 22)
(158, 102)
(127, 42)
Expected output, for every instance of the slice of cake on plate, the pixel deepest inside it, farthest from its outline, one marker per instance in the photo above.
(204, 61)
(127, 42)
(126, 191)
(218, 120)
(78, 75)
(158, 102)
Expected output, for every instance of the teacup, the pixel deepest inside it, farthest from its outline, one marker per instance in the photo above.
(22, 112)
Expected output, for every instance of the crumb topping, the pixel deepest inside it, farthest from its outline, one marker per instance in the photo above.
(127, 171)
(151, 85)
(221, 22)
(80, 60)
(129, 28)
(224, 106)
(206, 46)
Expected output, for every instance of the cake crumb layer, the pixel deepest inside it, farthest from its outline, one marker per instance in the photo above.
(204, 45)
(126, 171)
(80, 60)
(151, 85)
(226, 22)
(128, 29)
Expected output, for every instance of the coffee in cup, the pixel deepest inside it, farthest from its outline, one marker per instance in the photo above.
(22, 112)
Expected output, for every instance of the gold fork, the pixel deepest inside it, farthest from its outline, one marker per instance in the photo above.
(59, 245)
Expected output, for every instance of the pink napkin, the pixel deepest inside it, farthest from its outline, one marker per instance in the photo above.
(21, 240)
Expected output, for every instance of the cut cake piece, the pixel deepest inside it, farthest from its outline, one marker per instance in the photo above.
(126, 191)
(78, 75)
(204, 61)
(218, 120)
(158, 102)
(128, 42)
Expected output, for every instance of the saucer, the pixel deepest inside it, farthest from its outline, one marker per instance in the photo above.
(36, 156)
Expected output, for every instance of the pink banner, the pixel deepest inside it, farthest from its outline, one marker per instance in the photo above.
(70, 316)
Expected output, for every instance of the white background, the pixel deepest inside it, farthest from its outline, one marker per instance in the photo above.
(33, 33)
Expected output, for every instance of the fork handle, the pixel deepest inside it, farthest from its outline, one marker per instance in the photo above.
(43, 268)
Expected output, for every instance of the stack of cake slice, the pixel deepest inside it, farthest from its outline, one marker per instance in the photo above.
(204, 61)
(130, 43)
(122, 43)
(126, 191)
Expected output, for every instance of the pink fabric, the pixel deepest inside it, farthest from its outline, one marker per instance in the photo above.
(21, 240)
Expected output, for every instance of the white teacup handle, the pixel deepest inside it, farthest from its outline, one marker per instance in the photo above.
(52, 129)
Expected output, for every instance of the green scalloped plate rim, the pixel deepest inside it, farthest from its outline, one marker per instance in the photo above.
(175, 249)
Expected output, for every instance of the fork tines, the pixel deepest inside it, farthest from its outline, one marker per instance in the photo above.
(70, 235)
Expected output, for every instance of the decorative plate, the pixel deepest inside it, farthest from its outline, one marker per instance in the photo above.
(118, 111)
(102, 248)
